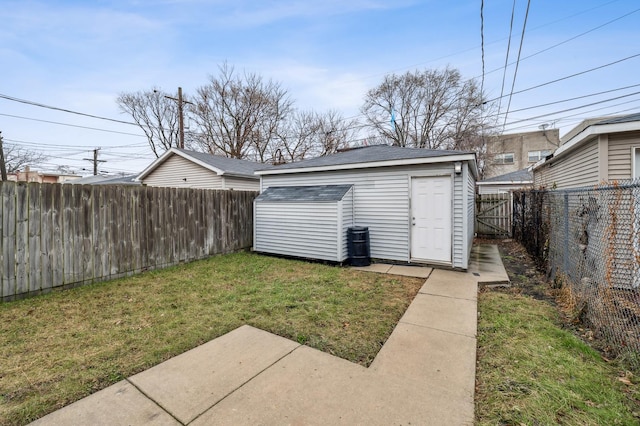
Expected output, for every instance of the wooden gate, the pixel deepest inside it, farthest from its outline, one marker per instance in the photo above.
(494, 215)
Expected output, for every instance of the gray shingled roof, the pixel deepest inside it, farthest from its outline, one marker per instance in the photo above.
(232, 166)
(317, 193)
(104, 180)
(367, 154)
(523, 175)
(622, 119)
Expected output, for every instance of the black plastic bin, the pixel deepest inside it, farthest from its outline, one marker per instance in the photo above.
(358, 246)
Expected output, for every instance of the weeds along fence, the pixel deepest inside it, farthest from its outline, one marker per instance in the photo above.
(589, 240)
(62, 235)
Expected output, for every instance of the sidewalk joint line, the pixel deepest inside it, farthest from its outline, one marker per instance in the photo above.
(154, 401)
(436, 329)
(447, 297)
(245, 382)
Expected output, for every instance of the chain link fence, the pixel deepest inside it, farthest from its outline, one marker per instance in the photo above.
(588, 240)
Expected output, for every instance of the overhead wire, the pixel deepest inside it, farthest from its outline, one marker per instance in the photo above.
(515, 73)
(506, 60)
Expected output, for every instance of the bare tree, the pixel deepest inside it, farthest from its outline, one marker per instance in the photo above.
(157, 116)
(308, 134)
(17, 157)
(239, 116)
(426, 109)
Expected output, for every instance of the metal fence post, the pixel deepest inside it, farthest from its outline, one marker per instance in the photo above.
(565, 252)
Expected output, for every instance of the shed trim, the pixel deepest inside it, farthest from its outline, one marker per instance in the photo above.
(384, 163)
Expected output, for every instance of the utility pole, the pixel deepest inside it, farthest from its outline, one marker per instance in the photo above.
(95, 161)
(3, 166)
(181, 103)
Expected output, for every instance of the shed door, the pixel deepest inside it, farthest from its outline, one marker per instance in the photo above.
(431, 219)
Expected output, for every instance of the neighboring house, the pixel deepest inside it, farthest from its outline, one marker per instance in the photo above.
(189, 169)
(602, 151)
(107, 180)
(512, 152)
(28, 175)
(418, 205)
(509, 182)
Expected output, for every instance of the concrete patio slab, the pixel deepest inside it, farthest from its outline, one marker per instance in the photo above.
(459, 285)
(410, 271)
(119, 404)
(486, 265)
(404, 270)
(187, 385)
(458, 316)
(439, 358)
(381, 268)
(312, 388)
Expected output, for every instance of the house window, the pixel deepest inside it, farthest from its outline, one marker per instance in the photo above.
(535, 156)
(635, 163)
(506, 158)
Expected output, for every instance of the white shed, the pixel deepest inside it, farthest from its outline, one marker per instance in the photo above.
(304, 221)
(417, 203)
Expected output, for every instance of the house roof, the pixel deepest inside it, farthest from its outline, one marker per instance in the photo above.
(216, 163)
(589, 129)
(371, 156)
(104, 180)
(316, 193)
(524, 176)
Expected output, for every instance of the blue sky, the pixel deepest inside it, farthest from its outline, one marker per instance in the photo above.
(80, 55)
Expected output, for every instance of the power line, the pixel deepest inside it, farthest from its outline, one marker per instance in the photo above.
(574, 98)
(566, 77)
(515, 73)
(506, 59)
(70, 125)
(27, 102)
(482, 42)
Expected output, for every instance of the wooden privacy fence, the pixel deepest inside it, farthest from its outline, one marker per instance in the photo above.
(62, 235)
(494, 215)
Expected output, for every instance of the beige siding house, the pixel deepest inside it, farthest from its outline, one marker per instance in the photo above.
(180, 168)
(602, 151)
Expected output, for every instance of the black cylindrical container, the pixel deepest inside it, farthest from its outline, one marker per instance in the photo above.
(358, 246)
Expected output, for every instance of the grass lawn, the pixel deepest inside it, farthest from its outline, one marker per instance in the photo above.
(532, 370)
(60, 347)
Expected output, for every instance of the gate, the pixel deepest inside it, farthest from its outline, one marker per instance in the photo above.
(494, 215)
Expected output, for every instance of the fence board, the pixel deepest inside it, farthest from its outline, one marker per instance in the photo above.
(46, 240)
(34, 224)
(58, 247)
(22, 238)
(8, 240)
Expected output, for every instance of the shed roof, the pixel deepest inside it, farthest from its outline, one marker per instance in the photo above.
(519, 176)
(307, 194)
(371, 156)
(216, 163)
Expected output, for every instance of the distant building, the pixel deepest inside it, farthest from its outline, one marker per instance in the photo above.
(516, 151)
(28, 175)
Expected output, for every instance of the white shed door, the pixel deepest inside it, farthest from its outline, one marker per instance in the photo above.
(431, 219)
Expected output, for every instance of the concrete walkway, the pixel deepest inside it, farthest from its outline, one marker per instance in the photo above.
(424, 374)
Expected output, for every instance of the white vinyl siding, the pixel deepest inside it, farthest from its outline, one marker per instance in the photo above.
(620, 155)
(381, 203)
(176, 172)
(471, 211)
(241, 184)
(314, 230)
(575, 169)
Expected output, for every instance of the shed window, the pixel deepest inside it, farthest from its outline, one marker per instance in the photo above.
(506, 158)
(535, 156)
